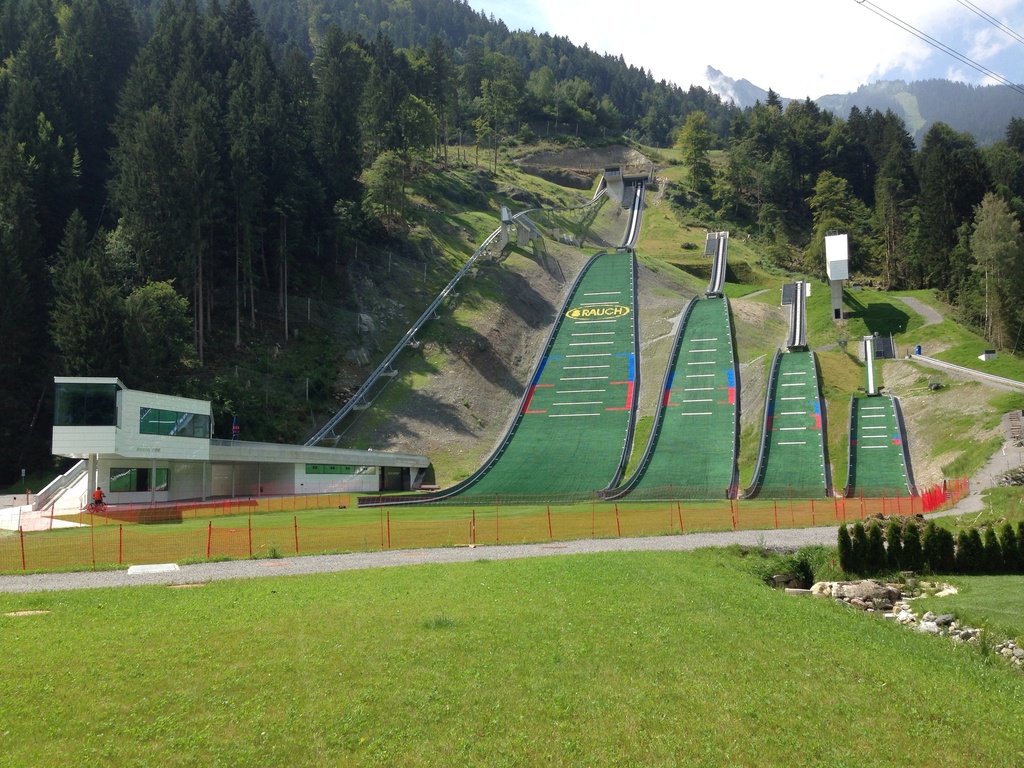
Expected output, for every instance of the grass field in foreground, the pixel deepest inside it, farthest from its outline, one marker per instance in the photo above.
(617, 659)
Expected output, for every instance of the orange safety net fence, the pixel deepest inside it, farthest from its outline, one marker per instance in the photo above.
(241, 528)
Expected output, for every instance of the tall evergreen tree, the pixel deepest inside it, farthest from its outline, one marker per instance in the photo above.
(998, 250)
(953, 178)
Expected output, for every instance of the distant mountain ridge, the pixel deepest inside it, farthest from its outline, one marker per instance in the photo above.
(982, 111)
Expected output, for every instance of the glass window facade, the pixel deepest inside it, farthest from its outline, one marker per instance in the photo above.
(338, 469)
(154, 421)
(131, 479)
(85, 405)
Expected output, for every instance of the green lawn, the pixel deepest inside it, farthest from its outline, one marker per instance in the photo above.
(622, 659)
(993, 602)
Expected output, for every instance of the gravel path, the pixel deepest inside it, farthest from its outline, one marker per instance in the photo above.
(1008, 457)
(248, 569)
(931, 316)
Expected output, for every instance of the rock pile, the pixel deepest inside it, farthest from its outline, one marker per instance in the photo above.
(893, 603)
(1013, 477)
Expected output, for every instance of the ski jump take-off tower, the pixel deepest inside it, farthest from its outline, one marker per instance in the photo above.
(837, 265)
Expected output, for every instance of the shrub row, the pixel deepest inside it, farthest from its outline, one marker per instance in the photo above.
(871, 552)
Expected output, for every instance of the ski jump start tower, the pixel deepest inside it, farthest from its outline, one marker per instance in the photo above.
(837, 265)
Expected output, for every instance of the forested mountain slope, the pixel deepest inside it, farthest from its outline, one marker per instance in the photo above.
(203, 201)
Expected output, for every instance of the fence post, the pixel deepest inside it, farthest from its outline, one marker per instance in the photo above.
(51, 514)
(21, 534)
(775, 503)
(550, 536)
(618, 528)
(92, 536)
(209, 538)
(814, 520)
(497, 538)
(296, 521)
(250, 534)
(389, 528)
(120, 542)
(472, 529)
(679, 509)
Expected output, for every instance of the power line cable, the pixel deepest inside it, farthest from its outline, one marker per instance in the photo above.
(991, 20)
(939, 45)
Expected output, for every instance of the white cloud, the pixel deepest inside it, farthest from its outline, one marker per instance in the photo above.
(797, 47)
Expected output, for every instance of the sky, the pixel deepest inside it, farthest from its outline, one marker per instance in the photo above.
(799, 48)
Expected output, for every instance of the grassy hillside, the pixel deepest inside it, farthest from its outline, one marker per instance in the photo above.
(455, 396)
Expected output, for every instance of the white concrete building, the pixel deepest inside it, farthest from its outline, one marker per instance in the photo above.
(142, 447)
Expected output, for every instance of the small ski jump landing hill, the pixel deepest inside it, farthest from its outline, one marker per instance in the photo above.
(878, 449)
(792, 462)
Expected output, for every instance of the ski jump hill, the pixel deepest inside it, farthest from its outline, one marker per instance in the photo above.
(572, 435)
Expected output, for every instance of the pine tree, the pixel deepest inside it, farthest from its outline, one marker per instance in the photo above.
(963, 552)
(976, 555)
(845, 545)
(1020, 547)
(894, 551)
(1010, 548)
(945, 551)
(913, 558)
(930, 547)
(876, 549)
(993, 556)
(859, 549)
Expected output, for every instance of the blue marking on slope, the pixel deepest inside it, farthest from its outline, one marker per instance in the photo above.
(540, 370)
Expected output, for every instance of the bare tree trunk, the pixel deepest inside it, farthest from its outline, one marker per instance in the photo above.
(200, 302)
(238, 286)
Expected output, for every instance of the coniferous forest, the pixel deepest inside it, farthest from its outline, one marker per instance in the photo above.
(164, 163)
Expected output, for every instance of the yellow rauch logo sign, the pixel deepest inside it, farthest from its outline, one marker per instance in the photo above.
(588, 313)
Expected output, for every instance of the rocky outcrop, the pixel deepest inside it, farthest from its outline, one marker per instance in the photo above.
(892, 601)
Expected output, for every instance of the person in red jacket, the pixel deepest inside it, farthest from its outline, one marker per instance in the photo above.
(98, 496)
